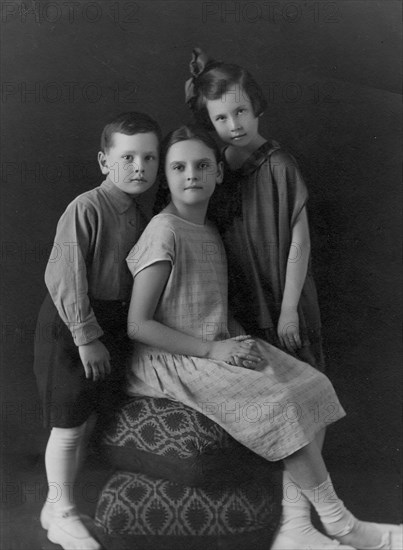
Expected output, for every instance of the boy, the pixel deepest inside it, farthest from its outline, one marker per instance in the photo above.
(79, 369)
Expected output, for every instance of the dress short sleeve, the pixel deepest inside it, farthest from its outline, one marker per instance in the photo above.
(290, 183)
(156, 244)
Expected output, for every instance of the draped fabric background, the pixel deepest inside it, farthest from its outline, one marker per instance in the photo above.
(331, 72)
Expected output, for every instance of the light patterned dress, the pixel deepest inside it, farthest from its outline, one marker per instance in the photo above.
(275, 410)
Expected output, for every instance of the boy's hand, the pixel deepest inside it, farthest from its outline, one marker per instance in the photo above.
(95, 359)
(237, 351)
(288, 329)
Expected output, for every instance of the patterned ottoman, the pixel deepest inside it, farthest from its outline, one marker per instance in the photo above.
(183, 482)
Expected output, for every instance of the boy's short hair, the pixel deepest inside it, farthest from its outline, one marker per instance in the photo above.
(129, 123)
(215, 81)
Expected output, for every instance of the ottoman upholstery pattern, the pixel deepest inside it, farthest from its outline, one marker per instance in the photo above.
(134, 504)
(169, 440)
(181, 482)
(164, 427)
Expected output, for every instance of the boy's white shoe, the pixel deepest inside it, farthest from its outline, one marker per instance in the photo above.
(70, 532)
(47, 515)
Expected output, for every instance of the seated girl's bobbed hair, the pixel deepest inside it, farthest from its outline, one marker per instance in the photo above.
(211, 80)
(183, 133)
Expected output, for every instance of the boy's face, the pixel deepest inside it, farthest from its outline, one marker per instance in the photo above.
(233, 118)
(131, 161)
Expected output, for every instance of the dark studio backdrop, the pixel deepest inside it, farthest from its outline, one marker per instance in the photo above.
(331, 72)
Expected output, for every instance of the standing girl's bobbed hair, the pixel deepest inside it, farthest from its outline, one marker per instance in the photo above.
(212, 79)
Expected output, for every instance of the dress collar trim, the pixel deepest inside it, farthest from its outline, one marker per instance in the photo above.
(256, 159)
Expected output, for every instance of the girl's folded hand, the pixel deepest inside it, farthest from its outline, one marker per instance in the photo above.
(239, 351)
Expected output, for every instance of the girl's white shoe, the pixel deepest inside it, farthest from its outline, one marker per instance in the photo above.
(397, 539)
(391, 535)
(295, 541)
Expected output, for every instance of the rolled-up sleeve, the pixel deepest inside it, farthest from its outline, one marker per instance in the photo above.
(66, 273)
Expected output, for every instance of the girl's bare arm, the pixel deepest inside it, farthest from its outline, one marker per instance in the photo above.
(148, 287)
(297, 265)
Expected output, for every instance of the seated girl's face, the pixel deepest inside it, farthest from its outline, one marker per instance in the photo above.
(192, 172)
(233, 117)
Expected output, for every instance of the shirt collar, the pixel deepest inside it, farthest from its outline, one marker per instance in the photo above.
(121, 200)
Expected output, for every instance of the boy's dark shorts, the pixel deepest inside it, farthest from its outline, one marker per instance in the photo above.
(68, 397)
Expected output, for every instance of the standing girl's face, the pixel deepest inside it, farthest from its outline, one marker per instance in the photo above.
(192, 172)
(233, 117)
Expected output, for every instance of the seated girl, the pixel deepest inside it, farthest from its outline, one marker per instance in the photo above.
(269, 401)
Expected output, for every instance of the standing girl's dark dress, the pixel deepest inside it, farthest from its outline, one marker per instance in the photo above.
(256, 208)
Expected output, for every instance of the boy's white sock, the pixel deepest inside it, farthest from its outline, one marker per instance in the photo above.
(65, 526)
(61, 461)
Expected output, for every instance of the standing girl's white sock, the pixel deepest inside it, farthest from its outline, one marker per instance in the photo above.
(342, 525)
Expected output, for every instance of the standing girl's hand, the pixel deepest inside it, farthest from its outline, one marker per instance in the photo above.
(288, 329)
(237, 351)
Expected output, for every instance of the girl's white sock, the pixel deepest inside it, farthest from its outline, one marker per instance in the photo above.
(296, 517)
(339, 522)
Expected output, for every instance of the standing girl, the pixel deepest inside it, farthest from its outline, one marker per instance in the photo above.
(261, 212)
(178, 317)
